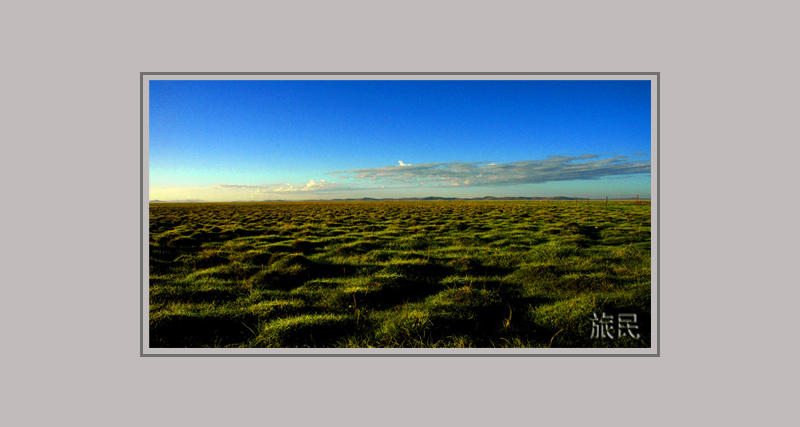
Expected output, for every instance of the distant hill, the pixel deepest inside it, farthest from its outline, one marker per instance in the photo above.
(178, 201)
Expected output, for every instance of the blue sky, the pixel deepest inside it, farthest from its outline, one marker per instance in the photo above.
(229, 140)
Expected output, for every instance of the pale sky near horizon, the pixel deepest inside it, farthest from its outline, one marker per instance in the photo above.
(228, 140)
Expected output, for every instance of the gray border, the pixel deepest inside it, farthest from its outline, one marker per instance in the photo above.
(141, 207)
(141, 214)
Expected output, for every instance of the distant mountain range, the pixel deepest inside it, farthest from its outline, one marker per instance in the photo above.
(178, 201)
(370, 199)
(366, 199)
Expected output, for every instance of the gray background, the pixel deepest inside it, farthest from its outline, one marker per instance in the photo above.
(71, 212)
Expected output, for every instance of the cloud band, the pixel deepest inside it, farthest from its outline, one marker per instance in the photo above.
(553, 168)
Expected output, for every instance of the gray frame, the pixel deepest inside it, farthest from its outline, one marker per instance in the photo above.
(658, 205)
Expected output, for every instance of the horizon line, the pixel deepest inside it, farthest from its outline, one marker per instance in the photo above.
(427, 198)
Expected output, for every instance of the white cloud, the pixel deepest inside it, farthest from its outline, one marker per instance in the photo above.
(311, 185)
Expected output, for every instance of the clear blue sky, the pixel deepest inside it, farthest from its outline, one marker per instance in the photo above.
(296, 140)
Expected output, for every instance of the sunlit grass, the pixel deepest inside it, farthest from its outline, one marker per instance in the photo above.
(396, 274)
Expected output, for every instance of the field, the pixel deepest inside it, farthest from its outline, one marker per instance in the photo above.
(431, 274)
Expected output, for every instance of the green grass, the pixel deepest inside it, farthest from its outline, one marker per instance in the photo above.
(397, 274)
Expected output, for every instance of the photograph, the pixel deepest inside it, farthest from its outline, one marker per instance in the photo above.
(375, 214)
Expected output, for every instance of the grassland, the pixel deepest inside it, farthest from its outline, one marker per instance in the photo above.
(396, 274)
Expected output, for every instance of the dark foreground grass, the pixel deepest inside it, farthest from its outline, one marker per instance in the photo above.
(397, 274)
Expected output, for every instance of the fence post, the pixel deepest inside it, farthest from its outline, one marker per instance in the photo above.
(606, 201)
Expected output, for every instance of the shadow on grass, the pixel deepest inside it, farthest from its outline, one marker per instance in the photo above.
(189, 295)
(390, 291)
(287, 271)
(474, 267)
(418, 269)
(182, 331)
